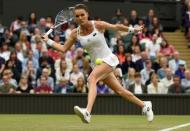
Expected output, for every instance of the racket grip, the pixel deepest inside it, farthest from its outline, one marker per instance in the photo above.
(49, 31)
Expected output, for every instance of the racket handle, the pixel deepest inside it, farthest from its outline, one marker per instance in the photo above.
(49, 31)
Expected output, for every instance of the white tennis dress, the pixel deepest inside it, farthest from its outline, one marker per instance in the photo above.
(96, 46)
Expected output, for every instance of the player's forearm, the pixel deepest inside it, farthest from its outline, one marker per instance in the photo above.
(124, 28)
(59, 47)
(56, 46)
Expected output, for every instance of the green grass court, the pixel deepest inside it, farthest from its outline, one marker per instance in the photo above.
(98, 123)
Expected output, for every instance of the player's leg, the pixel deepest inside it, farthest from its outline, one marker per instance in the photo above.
(98, 73)
(114, 84)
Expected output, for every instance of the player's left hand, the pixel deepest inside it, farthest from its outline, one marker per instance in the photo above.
(138, 28)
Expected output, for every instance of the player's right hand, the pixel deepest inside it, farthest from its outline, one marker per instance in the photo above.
(138, 28)
(45, 38)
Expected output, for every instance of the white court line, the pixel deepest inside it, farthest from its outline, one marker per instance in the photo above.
(175, 127)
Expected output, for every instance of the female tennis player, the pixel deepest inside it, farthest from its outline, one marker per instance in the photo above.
(91, 36)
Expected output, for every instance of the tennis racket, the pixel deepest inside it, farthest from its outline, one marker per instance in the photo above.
(63, 17)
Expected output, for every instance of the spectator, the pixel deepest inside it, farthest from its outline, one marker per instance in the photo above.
(63, 86)
(46, 61)
(163, 61)
(167, 49)
(19, 52)
(38, 50)
(118, 16)
(185, 83)
(167, 81)
(145, 56)
(130, 79)
(152, 47)
(66, 59)
(144, 37)
(137, 58)
(24, 86)
(81, 61)
(6, 86)
(16, 24)
(174, 62)
(181, 70)
(9, 75)
(132, 44)
(5, 51)
(49, 80)
(49, 21)
(127, 64)
(159, 34)
(15, 64)
(155, 24)
(102, 88)
(137, 87)
(30, 56)
(121, 54)
(23, 29)
(75, 74)
(62, 71)
(118, 43)
(155, 87)
(44, 86)
(133, 20)
(149, 17)
(145, 73)
(9, 37)
(25, 44)
(32, 22)
(80, 86)
(176, 86)
(31, 73)
(42, 25)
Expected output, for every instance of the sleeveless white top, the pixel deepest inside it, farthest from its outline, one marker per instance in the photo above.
(96, 46)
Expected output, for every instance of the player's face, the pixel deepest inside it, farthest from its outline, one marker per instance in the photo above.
(81, 16)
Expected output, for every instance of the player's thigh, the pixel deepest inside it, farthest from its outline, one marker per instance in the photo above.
(101, 71)
(114, 84)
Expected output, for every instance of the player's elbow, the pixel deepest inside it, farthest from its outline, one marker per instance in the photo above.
(118, 26)
(62, 50)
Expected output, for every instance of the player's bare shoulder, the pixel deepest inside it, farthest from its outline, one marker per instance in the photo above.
(100, 25)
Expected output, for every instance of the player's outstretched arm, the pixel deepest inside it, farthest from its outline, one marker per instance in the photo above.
(120, 27)
(66, 46)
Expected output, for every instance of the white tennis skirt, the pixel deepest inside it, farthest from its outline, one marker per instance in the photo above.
(111, 60)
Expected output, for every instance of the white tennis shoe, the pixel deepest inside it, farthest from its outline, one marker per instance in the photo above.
(147, 110)
(83, 114)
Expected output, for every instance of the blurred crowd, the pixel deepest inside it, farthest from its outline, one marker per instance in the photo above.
(149, 64)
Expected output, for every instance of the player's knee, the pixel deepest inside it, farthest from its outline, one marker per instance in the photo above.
(92, 79)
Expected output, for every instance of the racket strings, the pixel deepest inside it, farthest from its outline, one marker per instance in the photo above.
(62, 16)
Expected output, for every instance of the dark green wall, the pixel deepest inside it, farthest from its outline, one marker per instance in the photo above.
(105, 104)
